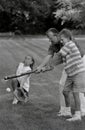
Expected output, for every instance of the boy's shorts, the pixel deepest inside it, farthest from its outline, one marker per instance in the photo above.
(75, 83)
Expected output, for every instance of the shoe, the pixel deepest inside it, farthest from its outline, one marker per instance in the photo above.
(82, 114)
(76, 117)
(65, 114)
(15, 101)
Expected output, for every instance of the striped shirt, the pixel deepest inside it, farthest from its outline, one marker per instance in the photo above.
(73, 63)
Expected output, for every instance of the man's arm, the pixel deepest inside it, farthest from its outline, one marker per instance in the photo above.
(56, 60)
(45, 62)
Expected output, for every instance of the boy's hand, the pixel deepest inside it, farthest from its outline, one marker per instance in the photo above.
(44, 69)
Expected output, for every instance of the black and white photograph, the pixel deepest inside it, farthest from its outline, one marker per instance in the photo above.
(42, 64)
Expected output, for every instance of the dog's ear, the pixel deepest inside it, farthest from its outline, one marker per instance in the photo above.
(20, 94)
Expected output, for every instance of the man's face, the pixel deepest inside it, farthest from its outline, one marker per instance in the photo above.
(52, 37)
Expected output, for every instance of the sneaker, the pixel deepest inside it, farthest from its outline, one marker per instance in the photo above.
(66, 114)
(76, 117)
(82, 114)
(15, 101)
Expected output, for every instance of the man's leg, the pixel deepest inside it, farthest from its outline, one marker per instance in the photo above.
(66, 93)
(61, 97)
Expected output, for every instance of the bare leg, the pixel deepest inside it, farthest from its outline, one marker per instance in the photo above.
(14, 84)
(77, 100)
(15, 100)
(82, 102)
(77, 115)
(61, 96)
(67, 98)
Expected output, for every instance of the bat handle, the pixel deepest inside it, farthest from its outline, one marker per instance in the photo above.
(6, 78)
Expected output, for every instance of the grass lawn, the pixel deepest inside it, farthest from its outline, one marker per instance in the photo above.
(40, 112)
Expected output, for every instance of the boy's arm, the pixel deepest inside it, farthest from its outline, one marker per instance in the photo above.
(65, 50)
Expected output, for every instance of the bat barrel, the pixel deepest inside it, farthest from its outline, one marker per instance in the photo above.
(16, 76)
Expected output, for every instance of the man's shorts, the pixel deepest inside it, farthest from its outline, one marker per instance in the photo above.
(75, 83)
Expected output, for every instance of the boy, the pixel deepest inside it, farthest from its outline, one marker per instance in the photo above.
(24, 81)
(75, 70)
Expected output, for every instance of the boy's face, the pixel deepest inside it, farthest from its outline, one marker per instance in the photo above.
(63, 39)
(28, 60)
(52, 37)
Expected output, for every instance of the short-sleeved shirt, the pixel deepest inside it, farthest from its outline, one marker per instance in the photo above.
(73, 62)
(24, 80)
(54, 48)
(80, 48)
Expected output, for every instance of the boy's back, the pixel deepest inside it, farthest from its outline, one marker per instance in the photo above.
(72, 59)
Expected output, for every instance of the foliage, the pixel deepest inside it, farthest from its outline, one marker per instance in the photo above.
(26, 15)
(37, 16)
(69, 11)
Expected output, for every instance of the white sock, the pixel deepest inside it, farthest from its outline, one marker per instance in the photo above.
(78, 113)
(68, 109)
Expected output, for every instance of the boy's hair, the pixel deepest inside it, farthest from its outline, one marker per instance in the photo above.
(53, 30)
(67, 33)
(33, 62)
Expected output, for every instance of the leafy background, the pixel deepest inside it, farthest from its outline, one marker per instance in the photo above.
(35, 17)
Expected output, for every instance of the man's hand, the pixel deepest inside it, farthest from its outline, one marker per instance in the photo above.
(39, 69)
(44, 69)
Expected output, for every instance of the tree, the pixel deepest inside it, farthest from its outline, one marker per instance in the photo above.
(69, 11)
(27, 15)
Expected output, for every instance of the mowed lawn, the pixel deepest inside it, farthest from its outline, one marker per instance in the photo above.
(40, 112)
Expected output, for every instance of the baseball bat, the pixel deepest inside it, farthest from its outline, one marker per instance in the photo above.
(23, 74)
(16, 76)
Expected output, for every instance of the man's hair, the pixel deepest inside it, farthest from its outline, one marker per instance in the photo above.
(53, 30)
(33, 62)
(67, 33)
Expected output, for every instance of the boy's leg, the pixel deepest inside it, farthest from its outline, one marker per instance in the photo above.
(82, 97)
(77, 115)
(14, 84)
(15, 100)
(67, 98)
(82, 103)
(77, 100)
(78, 86)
